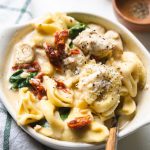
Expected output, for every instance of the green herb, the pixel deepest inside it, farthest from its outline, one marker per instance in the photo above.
(42, 123)
(19, 82)
(71, 44)
(76, 29)
(16, 76)
(64, 112)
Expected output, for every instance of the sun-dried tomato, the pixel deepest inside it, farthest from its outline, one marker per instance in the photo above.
(31, 67)
(61, 38)
(34, 67)
(39, 76)
(37, 88)
(80, 122)
(75, 52)
(57, 53)
(61, 86)
(55, 56)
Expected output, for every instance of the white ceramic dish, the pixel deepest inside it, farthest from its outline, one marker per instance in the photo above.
(132, 43)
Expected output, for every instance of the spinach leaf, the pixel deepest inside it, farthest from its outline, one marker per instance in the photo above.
(26, 83)
(71, 44)
(42, 123)
(19, 82)
(16, 76)
(76, 29)
(64, 112)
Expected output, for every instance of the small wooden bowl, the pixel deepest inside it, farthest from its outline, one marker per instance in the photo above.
(128, 14)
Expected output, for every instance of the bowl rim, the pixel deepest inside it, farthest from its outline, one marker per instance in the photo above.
(50, 141)
(127, 19)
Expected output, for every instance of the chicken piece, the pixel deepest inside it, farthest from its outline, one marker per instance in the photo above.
(76, 59)
(132, 71)
(24, 53)
(89, 41)
(115, 40)
(99, 29)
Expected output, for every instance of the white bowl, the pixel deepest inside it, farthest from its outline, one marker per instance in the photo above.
(142, 116)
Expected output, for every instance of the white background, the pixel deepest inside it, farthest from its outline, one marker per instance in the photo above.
(140, 140)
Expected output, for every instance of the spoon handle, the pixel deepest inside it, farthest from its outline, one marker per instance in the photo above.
(112, 140)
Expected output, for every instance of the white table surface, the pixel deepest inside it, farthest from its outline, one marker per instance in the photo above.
(140, 140)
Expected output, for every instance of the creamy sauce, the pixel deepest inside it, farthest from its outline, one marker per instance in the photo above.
(12, 96)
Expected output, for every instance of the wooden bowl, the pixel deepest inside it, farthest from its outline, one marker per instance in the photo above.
(134, 14)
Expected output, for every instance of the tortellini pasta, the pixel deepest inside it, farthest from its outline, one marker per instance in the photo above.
(46, 66)
(132, 70)
(69, 21)
(95, 132)
(54, 23)
(57, 97)
(38, 39)
(56, 124)
(28, 110)
(128, 106)
(80, 77)
(100, 79)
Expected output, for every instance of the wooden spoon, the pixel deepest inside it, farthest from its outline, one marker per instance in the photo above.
(112, 139)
